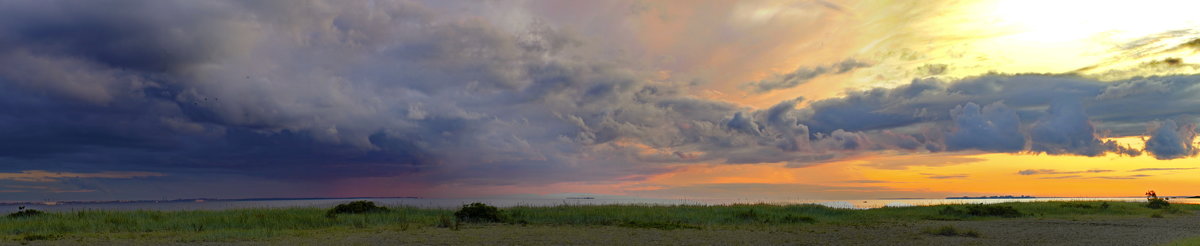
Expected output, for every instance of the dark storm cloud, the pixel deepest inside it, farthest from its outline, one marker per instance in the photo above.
(802, 75)
(1056, 114)
(1171, 141)
(994, 128)
(1064, 129)
(283, 89)
(315, 91)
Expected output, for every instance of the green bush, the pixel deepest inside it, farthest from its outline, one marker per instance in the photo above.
(1078, 205)
(981, 210)
(670, 225)
(479, 212)
(356, 207)
(36, 237)
(951, 211)
(993, 210)
(750, 215)
(794, 219)
(1157, 203)
(25, 213)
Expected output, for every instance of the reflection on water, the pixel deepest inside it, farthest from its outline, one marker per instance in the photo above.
(510, 202)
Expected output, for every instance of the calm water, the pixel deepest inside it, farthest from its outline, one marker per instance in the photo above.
(509, 202)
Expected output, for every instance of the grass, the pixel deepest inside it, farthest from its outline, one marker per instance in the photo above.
(255, 224)
(1185, 242)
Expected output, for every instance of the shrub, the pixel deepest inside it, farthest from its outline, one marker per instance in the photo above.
(445, 222)
(1157, 203)
(25, 213)
(479, 212)
(36, 237)
(795, 219)
(1174, 210)
(747, 215)
(993, 210)
(951, 211)
(950, 231)
(1078, 205)
(672, 225)
(356, 207)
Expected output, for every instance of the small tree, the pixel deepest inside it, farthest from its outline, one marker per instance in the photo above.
(22, 212)
(1154, 202)
(356, 207)
(479, 212)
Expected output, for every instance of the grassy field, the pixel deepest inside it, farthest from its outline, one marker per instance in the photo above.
(277, 224)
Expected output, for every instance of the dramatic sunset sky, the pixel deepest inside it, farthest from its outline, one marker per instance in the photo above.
(804, 99)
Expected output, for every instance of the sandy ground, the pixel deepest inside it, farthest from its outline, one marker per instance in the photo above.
(1129, 231)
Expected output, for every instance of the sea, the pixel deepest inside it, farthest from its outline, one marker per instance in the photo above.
(225, 204)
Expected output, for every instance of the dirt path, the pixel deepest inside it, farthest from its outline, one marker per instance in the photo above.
(1132, 231)
(1129, 231)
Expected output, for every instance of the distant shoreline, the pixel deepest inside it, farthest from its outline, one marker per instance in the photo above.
(236, 203)
(200, 200)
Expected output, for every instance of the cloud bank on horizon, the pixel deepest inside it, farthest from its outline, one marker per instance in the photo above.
(315, 91)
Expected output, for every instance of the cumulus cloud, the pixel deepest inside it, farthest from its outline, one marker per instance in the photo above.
(802, 75)
(994, 128)
(1171, 141)
(1055, 112)
(1065, 128)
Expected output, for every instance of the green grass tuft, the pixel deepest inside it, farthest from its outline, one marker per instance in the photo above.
(672, 225)
(25, 213)
(1158, 203)
(36, 237)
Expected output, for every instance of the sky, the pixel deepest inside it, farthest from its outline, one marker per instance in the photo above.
(758, 99)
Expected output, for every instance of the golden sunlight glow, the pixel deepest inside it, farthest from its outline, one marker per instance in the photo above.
(1106, 40)
(1024, 36)
(1058, 36)
(958, 174)
(900, 38)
